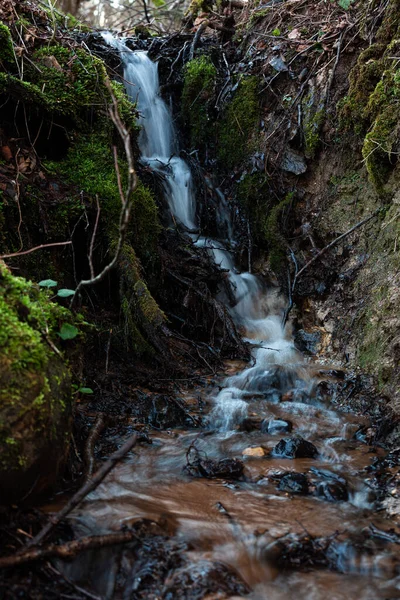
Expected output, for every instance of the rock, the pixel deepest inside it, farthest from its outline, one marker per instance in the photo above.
(294, 483)
(35, 390)
(308, 342)
(332, 491)
(276, 426)
(250, 424)
(295, 447)
(202, 578)
(227, 468)
(258, 451)
(293, 162)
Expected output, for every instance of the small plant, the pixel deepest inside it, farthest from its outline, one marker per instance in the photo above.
(276, 32)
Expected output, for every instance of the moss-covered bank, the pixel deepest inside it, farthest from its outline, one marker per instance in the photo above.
(35, 387)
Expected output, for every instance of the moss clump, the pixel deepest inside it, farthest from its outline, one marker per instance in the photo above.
(274, 237)
(35, 390)
(239, 126)
(253, 195)
(312, 128)
(371, 107)
(90, 165)
(198, 90)
(6, 45)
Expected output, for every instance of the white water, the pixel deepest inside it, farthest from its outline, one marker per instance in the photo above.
(258, 313)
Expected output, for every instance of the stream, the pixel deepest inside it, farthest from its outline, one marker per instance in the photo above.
(304, 460)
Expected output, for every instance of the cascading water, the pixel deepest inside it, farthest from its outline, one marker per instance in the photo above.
(280, 391)
(254, 311)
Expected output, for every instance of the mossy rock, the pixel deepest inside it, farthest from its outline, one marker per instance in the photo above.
(198, 90)
(6, 46)
(238, 130)
(35, 389)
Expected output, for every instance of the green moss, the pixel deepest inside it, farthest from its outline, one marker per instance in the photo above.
(30, 405)
(6, 45)
(239, 127)
(253, 195)
(312, 128)
(274, 237)
(148, 306)
(198, 91)
(90, 165)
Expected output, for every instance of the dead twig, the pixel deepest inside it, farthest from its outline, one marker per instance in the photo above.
(90, 445)
(68, 550)
(81, 494)
(14, 254)
(329, 246)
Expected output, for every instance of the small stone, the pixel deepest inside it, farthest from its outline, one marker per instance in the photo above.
(293, 162)
(258, 451)
(276, 426)
(295, 447)
(294, 483)
(332, 491)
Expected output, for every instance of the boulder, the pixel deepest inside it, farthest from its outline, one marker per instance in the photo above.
(276, 426)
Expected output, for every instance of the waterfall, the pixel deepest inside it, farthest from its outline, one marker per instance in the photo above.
(258, 313)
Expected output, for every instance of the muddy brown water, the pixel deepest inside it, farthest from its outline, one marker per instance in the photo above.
(153, 483)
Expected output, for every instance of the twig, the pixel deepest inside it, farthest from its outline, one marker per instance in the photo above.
(88, 487)
(14, 254)
(329, 246)
(197, 37)
(69, 549)
(90, 444)
(90, 257)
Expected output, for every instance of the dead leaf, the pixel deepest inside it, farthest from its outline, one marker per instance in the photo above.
(6, 153)
(294, 34)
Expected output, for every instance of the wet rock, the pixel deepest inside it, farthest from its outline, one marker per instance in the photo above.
(295, 447)
(226, 468)
(332, 491)
(250, 424)
(276, 426)
(308, 342)
(294, 483)
(199, 579)
(293, 162)
(258, 451)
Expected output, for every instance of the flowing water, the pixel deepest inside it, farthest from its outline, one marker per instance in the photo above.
(281, 390)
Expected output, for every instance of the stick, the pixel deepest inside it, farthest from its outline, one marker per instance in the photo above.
(68, 550)
(88, 487)
(329, 246)
(34, 249)
(90, 444)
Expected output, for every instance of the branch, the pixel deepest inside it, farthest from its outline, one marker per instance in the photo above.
(14, 254)
(69, 549)
(329, 246)
(88, 487)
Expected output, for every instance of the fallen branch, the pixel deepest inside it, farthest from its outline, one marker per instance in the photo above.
(68, 550)
(329, 246)
(88, 487)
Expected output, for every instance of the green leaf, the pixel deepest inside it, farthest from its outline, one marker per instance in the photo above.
(65, 293)
(47, 283)
(68, 332)
(276, 32)
(345, 4)
(85, 390)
